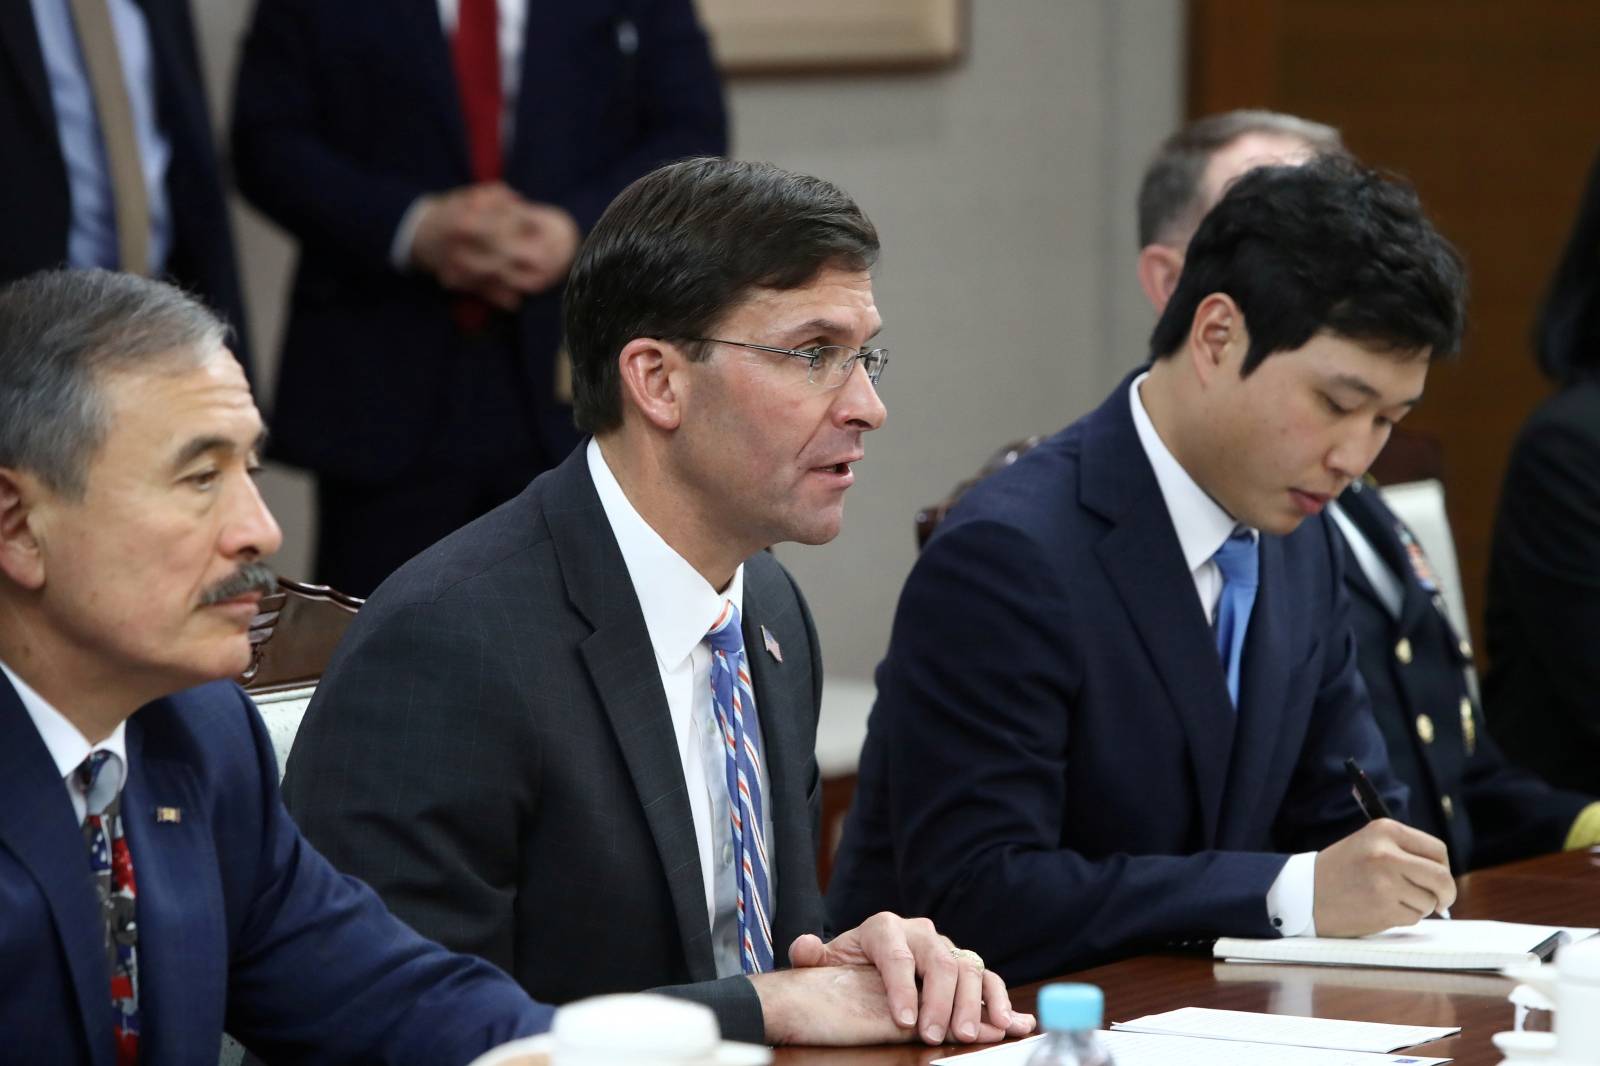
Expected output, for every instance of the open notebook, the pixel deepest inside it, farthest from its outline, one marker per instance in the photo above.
(1431, 944)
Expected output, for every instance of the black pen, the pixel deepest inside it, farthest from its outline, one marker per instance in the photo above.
(1370, 802)
(1367, 797)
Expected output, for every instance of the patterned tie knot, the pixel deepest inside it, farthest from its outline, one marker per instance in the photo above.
(1238, 560)
(97, 794)
(725, 635)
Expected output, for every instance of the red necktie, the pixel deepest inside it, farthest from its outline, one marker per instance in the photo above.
(476, 52)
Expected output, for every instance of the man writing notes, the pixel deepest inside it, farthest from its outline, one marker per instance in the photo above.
(577, 736)
(152, 888)
(1121, 686)
(1417, 668)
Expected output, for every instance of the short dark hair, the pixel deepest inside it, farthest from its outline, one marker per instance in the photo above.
(1169, 202)
(681, 247)
(1332, 246)
(61, 331)
(1567, 336)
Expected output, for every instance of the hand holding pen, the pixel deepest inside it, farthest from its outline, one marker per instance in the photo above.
(1385, 874)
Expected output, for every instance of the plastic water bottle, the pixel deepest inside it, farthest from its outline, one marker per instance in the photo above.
(1069, 1016)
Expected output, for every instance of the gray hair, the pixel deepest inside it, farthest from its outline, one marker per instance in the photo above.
(61, 332)
(1168, 195)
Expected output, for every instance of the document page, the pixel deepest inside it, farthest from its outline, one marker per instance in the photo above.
(1148, 1049)
(1431, 944)
(1286, 1029)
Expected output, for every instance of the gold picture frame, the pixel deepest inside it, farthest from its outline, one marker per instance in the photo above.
(787, 36)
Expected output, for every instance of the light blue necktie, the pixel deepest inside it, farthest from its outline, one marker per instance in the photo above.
(735, 704)
(1240, 563)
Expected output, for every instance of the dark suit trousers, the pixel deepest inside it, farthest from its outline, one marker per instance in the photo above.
(484, 449)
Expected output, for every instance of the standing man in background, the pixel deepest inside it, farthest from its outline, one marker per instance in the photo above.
(109, 160)
(1417, 668)
(439, 161)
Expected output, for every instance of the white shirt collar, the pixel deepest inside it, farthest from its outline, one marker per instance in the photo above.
(679, 605)
(1201, 523)
(68, 747)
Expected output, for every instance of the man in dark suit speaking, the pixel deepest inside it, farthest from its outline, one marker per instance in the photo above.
(577, 737)
(1121, 684)
(152, 887)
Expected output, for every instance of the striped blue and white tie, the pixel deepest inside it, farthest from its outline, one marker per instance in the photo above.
(735, 704)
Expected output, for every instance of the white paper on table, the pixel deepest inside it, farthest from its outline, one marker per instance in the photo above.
(1147, 1049)
(1286, 1029)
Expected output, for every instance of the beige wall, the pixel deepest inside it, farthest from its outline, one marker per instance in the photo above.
(1003, 189)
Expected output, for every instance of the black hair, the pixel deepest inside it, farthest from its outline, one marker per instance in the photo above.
(681, 247)
(1328, 246)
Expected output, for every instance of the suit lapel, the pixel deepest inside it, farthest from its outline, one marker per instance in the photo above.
(784, 701)
(621, 663)
(38, 827)
(183, 957)
(1263, 701)
(1142, 557)
(20, 36)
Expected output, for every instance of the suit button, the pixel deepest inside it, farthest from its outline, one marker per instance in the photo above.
(1402, 650)
(1425, 728)
(1469, 726)
(1448, 806)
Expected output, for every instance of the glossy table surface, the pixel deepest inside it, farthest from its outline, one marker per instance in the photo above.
(1562, 889)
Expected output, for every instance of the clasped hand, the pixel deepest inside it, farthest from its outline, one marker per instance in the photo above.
(862, 987)
(488, 241)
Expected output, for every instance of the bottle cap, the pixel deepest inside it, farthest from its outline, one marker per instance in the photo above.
(1070, 1007)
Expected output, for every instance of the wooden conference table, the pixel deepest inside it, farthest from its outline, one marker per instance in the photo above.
(1562, 889)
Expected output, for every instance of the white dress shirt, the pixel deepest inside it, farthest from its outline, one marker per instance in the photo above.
(68, 747)
(1383, 580)
(679, 608)
(1202, 526)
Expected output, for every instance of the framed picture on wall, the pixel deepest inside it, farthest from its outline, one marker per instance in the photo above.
(781, 36)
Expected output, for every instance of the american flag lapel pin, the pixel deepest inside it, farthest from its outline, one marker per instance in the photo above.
(169, 815)
(771, 643)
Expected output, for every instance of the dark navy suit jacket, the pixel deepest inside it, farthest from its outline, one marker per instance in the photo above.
(505, 676)
(35, 208)
(1463, 788)
(242, 925)
(347, 112)
(1054, 771)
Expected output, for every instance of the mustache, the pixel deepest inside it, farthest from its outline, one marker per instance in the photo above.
(250, 577)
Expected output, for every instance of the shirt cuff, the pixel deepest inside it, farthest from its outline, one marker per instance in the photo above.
(1585, 831)
(404, 234)
(1291, 901)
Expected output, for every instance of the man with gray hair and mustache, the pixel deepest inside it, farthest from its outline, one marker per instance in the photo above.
(153, 889)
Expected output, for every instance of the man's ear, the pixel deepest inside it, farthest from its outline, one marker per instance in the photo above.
(1159, 270)
(21, 553)
(650, 382)
(1217, 337)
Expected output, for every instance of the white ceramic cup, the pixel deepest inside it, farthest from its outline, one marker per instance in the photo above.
(631, 1030)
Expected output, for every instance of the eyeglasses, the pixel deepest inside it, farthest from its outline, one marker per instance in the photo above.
(829, 365)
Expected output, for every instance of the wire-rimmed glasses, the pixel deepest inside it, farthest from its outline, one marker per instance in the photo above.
(828, 365)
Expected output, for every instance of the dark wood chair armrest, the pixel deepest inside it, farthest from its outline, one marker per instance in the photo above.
(293, 636)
